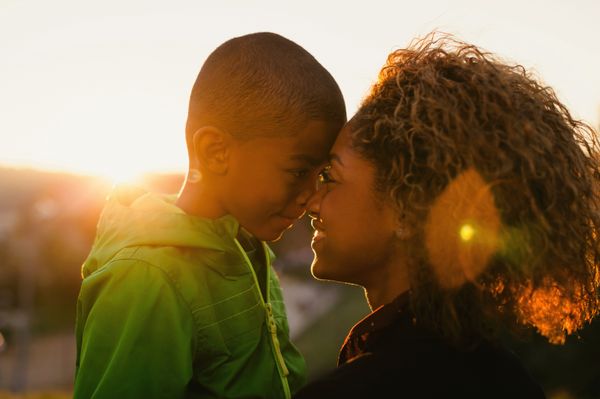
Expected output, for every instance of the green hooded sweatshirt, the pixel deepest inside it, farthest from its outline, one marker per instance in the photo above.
(171, 307)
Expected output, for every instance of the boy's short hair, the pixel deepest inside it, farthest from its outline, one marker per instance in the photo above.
(252, 85)
(445, 111)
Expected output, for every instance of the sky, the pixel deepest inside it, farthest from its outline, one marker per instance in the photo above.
(101, 87)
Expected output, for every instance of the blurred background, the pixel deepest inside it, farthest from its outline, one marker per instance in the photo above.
(95, 93)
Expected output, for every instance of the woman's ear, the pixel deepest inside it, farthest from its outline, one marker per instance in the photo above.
(403, 229)
(211, 147)
(403, 233)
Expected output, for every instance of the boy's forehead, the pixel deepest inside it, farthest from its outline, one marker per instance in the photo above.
(307, 159)
(313, 143)
(308, 146)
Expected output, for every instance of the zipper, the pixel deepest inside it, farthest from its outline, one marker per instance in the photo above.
(271, 325)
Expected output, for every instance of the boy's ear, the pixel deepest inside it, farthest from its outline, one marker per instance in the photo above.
(211, 149)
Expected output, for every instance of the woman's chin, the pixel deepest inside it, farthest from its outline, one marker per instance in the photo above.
(317, 271)
(321, 271)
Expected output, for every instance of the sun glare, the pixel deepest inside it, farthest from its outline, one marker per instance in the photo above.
(116, 174)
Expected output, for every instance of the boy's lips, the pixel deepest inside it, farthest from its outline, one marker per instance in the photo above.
(290, 220)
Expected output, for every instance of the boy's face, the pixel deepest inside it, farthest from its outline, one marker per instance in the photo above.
(269, 179)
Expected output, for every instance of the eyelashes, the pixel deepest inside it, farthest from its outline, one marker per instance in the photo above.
(325, 176)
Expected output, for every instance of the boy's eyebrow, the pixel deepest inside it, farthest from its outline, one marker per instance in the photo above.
(307, 158)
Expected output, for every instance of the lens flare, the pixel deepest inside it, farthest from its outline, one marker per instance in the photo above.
(467, 232)
(462, 230)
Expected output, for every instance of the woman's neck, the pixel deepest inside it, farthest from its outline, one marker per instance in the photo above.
(390, 283)
(377, 298)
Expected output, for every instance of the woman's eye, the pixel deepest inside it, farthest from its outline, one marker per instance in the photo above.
(325, 175)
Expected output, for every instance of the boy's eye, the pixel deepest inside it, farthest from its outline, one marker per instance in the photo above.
(300, 173)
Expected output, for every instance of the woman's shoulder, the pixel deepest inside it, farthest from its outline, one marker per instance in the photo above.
(414, 361)
(427, 372)
(429, 363)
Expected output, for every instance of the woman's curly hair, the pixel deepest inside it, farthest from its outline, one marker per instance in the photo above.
(499, 183)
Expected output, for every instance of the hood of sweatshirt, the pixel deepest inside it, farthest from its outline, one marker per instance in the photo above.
(134, 217)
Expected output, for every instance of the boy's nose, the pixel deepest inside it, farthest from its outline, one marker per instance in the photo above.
(308, 190)
(304, 197)
(313, 205)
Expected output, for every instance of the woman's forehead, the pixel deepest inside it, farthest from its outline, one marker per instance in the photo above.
(342, 142)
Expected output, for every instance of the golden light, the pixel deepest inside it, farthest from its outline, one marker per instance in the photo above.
(124, 174)
(113, 171)
(462, 231)
(550, 309)
(467, 232)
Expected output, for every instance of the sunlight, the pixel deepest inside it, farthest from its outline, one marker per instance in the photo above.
(551, 311)
(120, 174)
(112, 173)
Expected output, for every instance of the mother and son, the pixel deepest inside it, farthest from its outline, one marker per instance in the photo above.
(462, 196)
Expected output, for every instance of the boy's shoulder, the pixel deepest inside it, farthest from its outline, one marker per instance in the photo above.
(199, 276)
(149, 227)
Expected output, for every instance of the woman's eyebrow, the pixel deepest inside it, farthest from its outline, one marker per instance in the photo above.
(333, 157)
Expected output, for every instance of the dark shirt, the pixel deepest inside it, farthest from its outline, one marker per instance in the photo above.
(387, 354)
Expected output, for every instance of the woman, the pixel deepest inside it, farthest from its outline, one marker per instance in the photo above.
(462, 197)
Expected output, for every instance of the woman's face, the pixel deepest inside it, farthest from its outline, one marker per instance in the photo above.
(354, 239)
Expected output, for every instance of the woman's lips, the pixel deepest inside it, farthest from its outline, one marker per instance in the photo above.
(319, 233)
(316, 224)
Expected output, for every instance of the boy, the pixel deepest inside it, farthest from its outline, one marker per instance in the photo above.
(178, 297)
